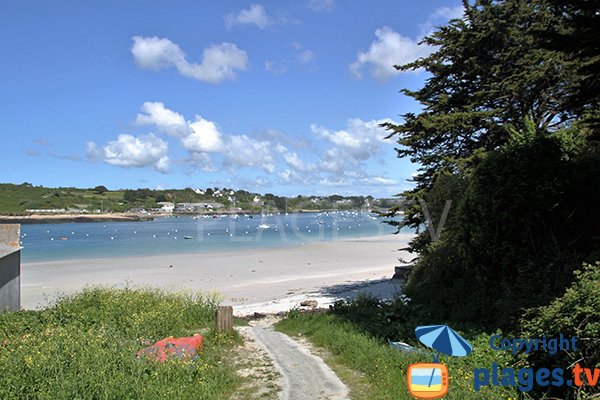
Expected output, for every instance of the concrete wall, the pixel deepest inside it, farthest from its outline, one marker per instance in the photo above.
(10, 282)
(10, 268)
(10, 235)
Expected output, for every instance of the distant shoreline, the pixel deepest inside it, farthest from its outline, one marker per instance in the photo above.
(121, 217)
(66, 218)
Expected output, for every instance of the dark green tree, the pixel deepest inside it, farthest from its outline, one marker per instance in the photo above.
(575, 32)
(488, 78)
(100, 189)
(496, 138)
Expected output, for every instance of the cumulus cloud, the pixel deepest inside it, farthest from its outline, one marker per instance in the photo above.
(380, 180)
(204, 137)
(331, 157)
(440, 16)
(321, 5)
(201, 161)
(219, 61)
(293, 160)
(389, 49)
(448, 12)
(243, 151)
(333, 181)
(255, 15)
(168, 121)
(306, 56)
(275, 68)
(359, 140)
(132, 152)
(333, 161)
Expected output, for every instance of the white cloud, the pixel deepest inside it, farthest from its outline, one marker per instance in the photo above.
(156, 53)
(293, 160)
(333, 161)
(202, 138)
(321, 5)
(168, 121)
(275, 68)
(448, 12)
(332, 181)
(360, 140)
(132, 152)
(289, 176)
(219, 62)
(201, 161)
(205, 137)
(255, 15)
(389, 49)
(341, 158)
(380, 180)
(243, 151)
(306, 56)
(440, 16)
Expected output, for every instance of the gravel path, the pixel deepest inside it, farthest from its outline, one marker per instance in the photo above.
(304, 376)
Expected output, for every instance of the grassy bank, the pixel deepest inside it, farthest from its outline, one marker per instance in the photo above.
(85, 347)
(379, 371)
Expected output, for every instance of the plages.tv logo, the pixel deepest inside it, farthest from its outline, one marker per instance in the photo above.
(430, 380)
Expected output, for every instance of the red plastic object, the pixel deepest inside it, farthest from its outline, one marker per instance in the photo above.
(182, 348)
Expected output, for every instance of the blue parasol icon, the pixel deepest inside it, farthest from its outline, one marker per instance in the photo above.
(443, 339)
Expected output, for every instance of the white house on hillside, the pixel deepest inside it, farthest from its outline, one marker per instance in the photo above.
(166, 206)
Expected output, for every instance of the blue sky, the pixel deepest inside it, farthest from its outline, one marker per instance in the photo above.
(269, 96)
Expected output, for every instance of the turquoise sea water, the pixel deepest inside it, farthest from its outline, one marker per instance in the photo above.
(46, 242)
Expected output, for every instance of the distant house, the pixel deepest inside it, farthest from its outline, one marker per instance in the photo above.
(10, 267)
(46, 210)
(166, 206)
(344, 201)
(196, 207)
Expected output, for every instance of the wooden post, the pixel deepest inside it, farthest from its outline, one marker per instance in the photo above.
(224, 319)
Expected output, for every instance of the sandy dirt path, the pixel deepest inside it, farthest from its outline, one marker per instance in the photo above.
(304, 376)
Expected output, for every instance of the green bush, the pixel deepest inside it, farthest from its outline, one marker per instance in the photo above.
(576, 313)
(524, 222)
(386, 320)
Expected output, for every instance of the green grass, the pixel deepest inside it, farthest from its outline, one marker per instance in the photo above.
(85, 346)
(382, 370)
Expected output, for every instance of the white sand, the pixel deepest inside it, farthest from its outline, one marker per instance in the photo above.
(259, 280)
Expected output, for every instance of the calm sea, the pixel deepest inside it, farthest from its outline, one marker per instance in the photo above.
(187, 234)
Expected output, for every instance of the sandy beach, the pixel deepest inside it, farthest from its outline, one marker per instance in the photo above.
(258, 280)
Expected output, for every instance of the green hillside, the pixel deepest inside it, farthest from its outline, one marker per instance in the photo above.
(17, 199)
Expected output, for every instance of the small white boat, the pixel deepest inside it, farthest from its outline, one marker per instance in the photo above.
(189, 237)
(264, 226)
